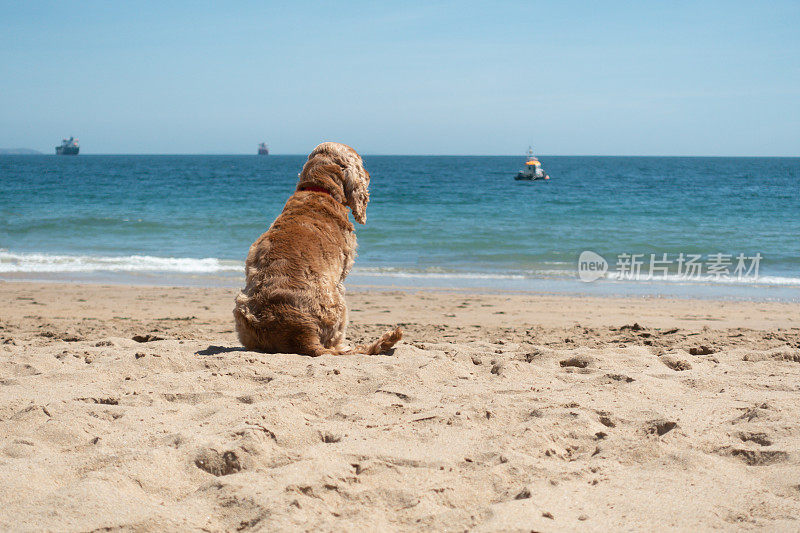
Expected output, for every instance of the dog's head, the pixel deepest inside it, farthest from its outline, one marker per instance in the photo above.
(339, 169)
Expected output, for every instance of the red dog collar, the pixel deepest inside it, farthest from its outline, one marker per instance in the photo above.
(314, 188)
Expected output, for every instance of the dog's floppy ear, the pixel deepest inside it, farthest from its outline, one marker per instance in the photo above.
(354, 177)
(356, 192)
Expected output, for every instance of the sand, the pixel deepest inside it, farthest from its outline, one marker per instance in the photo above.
(498, 412)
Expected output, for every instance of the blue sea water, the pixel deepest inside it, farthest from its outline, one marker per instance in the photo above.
(436, 221)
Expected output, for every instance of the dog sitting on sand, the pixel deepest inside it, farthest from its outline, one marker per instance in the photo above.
(293, 301)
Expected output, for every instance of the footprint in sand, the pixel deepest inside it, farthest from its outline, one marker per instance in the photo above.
(701, 350)
(524, 494)
(147, 338)
(674, 363)
(330, 438)
(762, 439)
(755, 457)
(578, 361)
(217, 464)
(660, 426)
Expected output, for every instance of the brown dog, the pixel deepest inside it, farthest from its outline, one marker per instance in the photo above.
(294, 298)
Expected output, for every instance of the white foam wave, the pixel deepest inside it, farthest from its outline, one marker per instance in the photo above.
(12, 262)
(673, 278)
(440, 273)
(432, 272)
(37, 262)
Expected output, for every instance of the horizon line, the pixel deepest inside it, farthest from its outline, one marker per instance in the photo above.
(403, 155)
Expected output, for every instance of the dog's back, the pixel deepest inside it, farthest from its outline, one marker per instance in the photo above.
(292, 275)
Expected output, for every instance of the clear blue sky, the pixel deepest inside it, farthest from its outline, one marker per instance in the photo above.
(637, 78)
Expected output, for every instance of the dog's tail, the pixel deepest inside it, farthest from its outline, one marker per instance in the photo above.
(387, 340)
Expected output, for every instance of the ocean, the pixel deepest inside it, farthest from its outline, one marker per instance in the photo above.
(433, 221)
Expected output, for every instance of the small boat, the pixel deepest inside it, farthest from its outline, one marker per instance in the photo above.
(263, 149)
(533, 169)
(68, 147)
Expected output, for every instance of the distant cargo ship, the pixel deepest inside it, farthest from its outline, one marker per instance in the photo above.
(263, 149)
(68, 147)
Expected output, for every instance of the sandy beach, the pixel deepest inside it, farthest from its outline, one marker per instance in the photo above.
(134, 408)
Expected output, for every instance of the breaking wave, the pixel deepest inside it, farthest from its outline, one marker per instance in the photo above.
(34, 262)
(38, 262)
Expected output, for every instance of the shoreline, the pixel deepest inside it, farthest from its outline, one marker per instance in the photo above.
(569, 288)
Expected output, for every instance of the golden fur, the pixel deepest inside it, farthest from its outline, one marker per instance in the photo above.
(293, 301)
